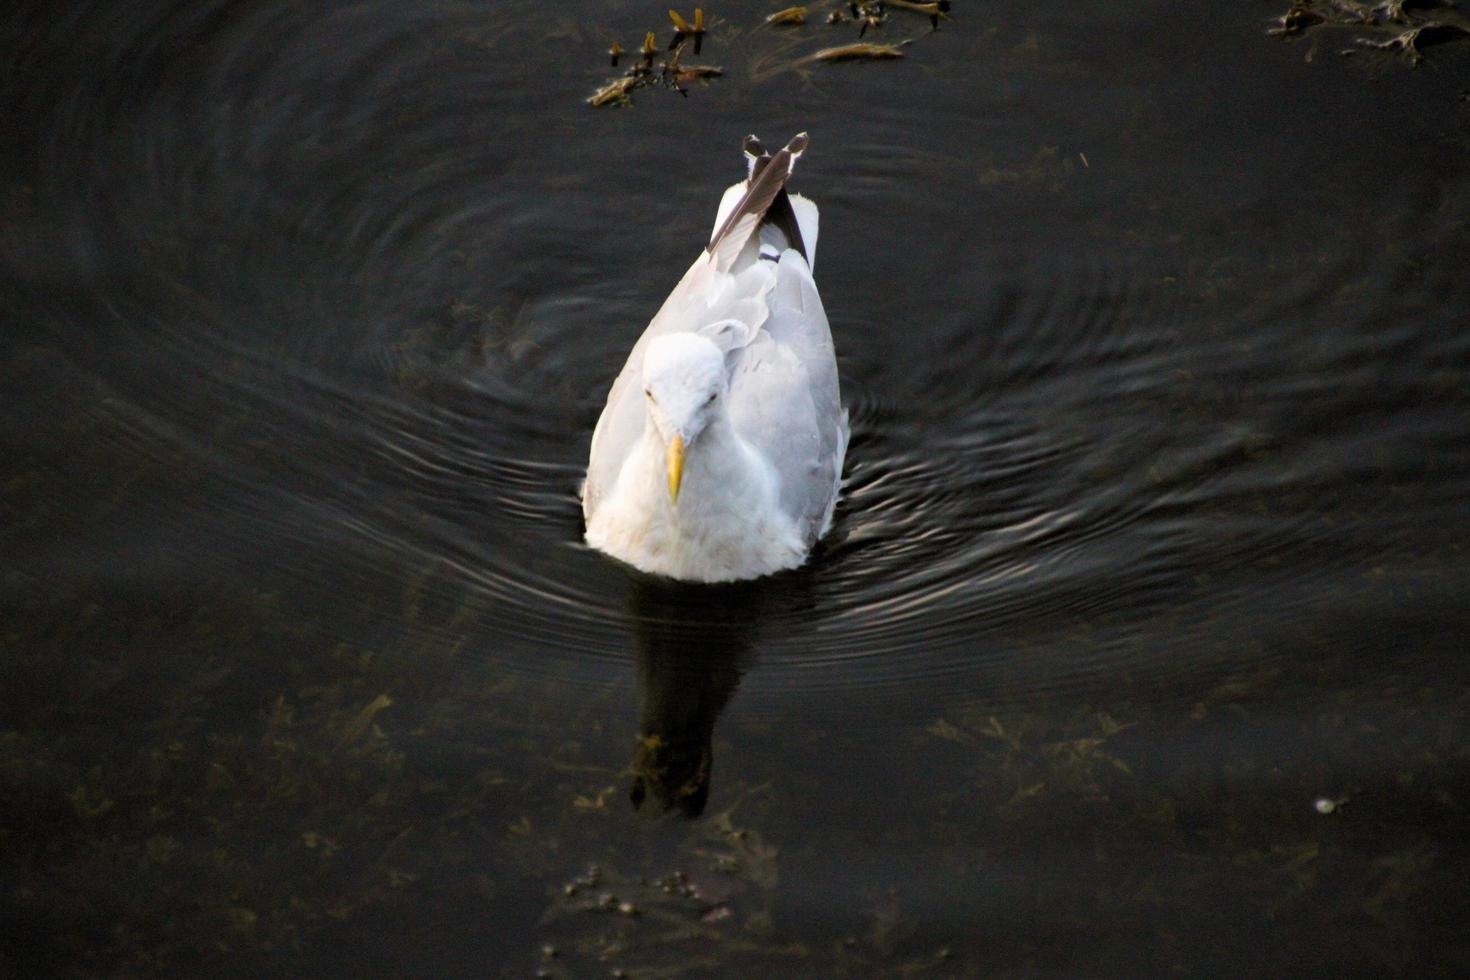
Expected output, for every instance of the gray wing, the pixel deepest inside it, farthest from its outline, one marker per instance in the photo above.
(785, 401)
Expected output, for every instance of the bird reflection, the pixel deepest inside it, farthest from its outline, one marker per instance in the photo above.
(693, 645)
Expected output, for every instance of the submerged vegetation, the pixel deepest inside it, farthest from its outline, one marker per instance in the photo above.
(225, 779)
(244, 820)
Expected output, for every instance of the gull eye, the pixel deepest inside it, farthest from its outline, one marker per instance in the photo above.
(648, 393)
(711, 399)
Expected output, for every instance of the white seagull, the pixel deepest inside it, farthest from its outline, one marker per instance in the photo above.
(719, 454)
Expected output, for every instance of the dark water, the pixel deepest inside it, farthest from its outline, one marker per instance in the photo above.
(1154, 331)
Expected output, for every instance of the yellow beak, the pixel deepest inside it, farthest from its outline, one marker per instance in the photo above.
(676, 467)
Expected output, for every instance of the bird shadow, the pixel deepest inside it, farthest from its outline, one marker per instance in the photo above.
(693, 645)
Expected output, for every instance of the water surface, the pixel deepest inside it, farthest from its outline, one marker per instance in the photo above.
(1153, 542)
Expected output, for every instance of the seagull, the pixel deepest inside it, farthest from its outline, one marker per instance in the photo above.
(718, 456)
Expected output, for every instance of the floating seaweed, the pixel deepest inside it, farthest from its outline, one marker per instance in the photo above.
(862, 51)
(1296, 20)
(614, 92)
(790, 17)
(936, 10)
(673, 73)
(868, 15)
(1404, 27)
(684, 29)
(1411, 42)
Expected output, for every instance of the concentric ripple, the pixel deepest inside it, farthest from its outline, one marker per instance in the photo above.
(351, 311)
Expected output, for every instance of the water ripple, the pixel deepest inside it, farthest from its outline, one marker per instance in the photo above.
(376, 322)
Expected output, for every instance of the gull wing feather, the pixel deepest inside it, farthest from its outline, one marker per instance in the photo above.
(764, 199)
(806, 221)
(784, 398)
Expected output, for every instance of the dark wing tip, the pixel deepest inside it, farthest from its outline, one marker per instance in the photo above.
(765, 192)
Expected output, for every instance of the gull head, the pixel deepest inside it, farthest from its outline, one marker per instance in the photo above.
(683, 386)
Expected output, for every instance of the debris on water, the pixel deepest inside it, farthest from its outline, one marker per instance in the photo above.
(936, 10)
(1395, 10)
(684, 29)
(717, 913)
(675, 72)
(1411, 41)
(613, 92)
(789, 17)
(1296, 20)
(671, 74)
(857, 52)
(869, 14)
(1401, 26)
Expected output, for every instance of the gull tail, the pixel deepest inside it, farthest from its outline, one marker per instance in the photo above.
(757, 218)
